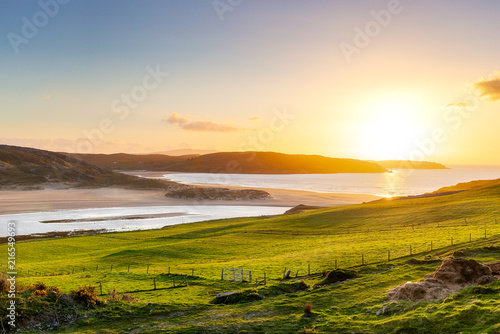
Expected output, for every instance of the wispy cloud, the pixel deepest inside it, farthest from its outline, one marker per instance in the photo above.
(206, 126)
(489, 89)
(255, 118)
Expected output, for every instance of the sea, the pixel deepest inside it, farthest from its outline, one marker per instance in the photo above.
(399, 182)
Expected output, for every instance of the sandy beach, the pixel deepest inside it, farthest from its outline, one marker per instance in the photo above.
(12, 202)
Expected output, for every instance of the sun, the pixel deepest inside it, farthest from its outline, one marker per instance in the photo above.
(390, 132)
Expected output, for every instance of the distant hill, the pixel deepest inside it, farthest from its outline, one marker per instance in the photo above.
(31, 168)
(409, 164)
(272, 163)
(186, 151)
(123, 161)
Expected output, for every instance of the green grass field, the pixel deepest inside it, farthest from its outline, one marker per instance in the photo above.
(347, 236)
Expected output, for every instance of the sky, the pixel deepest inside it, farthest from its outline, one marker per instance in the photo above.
(351, 79)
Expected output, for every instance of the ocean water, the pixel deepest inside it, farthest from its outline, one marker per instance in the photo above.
(400, 182)
(108, 218)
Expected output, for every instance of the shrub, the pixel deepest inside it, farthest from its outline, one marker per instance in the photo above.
(40, 286)
(308, 308)
(4, 284)
(55, 289)
(86, 295)
(40, 293)
(113, 295)
(128, 298)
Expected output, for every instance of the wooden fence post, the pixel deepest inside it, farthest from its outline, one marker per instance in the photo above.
(309, 269)
(265, 280)
(100, 286)
(388, 256)
(410, 250)
(192, 272)
(173, 280)
(250, 276)
(452, 241)
(221, 274)
(154, 282)
(169, 270)
(97, 268)
(111, 268)
(335, 264)
(147, 270)
(470, 237)
(431, 246)
(485, 232)
(362, 259)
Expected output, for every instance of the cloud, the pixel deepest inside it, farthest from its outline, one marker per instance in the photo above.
(457, 105)
(489, 89)
(202, 126)
(255, 118)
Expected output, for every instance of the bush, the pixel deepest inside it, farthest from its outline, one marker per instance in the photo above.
(128, 298)
(4, 284)
(40, 286)
(308, 308)
(86, 295)
(55, 289)
(40, 293)
(113, 295)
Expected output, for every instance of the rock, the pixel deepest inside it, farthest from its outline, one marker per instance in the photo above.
(451, 276)
(495, 267)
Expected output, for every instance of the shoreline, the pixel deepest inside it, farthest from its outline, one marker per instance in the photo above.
(25, 201)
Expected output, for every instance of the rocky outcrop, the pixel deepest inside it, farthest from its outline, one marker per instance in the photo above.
(451, 276)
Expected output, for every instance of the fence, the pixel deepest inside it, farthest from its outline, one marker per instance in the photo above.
(236, 275)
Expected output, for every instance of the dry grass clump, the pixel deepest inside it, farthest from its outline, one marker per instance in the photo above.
(308, 308)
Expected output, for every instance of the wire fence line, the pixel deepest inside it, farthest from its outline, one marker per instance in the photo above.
(302, 268)
(344, 231)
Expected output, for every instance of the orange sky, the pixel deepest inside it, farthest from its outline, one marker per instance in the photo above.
(368, 80)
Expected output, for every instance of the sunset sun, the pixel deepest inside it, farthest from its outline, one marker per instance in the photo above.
(392, 133)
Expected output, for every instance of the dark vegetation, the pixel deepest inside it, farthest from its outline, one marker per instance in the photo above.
(29, 168)
(272, 163)
(209, 193)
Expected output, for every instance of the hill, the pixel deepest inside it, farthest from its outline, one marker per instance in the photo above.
(32, 168)
(272, 163)
(414, 233)
(410, 164)
(123, 161)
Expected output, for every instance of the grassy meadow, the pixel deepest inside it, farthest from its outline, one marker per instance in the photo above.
(349, 236)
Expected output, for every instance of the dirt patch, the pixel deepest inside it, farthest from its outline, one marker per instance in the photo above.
(495, 267)
(451, 276)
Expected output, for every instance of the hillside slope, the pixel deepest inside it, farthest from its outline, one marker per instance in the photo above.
(273, 163)
(409, 164)
(28, 167)
(123, 161)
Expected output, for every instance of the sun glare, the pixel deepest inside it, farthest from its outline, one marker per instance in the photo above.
(391, 132)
